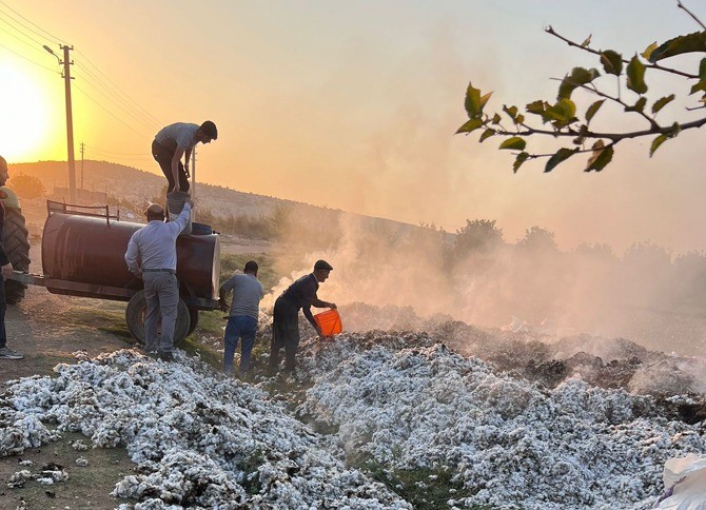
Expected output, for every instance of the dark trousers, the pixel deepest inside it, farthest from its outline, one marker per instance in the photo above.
(285, 333)
(3, 305)
(164, 155)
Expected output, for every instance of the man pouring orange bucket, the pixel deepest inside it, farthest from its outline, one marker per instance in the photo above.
(300, 295)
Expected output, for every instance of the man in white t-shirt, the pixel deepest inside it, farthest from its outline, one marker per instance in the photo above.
(177, 140)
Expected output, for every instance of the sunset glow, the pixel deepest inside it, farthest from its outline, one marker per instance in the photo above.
(352, 105)
(24, 114)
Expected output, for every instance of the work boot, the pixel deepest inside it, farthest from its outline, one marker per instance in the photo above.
(166, 356)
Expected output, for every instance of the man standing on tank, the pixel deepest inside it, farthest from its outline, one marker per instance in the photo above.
(151, 255)
(300, 295)
(6, 269)
(177, 140)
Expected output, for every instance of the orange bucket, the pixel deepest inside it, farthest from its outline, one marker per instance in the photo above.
(329, 322)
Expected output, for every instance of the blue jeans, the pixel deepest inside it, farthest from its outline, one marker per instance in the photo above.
(243, 327)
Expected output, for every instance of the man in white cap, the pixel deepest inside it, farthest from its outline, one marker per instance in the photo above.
(151, 255)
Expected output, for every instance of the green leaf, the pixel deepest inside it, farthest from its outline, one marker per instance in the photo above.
(593, 109)
(519, 119)
(514, 143)
(690, 43)
(612, 62)
(639, 106)
(657, 142)
(600, 158)
(636, 76)
(562, 113)
(648, 51)
(521, 158)
(537, 107)
(561, 155)
(486, 134)
(496, 119)
(470, 126)
(473, 103)
(579, 76)
(702, 70)
(484, 100)
(511, 111)
(661, 103)
(698, 86)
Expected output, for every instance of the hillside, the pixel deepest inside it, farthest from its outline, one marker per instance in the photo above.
(131, 185)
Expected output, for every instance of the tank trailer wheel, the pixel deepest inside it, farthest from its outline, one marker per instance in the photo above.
(194, 320)
(135, 317)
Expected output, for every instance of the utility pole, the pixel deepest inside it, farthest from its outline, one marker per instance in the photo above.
(69, 124)
(69, 117)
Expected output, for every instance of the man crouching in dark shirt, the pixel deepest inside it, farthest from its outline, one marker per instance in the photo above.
(285, 327)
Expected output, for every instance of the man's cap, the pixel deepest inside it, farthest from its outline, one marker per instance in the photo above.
(322, 264)
(209, 129)
(154, 210)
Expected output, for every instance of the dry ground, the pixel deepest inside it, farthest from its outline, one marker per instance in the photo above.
(47, 329)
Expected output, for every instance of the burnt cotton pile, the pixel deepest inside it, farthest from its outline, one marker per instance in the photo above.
(376, 402)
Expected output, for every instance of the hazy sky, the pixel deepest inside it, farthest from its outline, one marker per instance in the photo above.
(353, 105)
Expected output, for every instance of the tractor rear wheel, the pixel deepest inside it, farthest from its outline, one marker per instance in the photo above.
(16, 244)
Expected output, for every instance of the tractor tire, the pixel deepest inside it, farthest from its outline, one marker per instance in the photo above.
(16, 244)
(135, 318)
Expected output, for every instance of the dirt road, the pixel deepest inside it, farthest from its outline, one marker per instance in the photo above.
(47, 329)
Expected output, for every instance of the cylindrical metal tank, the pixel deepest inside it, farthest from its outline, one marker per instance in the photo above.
(88, 249)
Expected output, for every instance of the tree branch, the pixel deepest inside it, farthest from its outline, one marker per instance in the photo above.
(649, 119)
(657, 67)
(614, 137)
(681, 6)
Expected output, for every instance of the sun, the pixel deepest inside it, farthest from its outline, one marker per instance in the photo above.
(24, 114)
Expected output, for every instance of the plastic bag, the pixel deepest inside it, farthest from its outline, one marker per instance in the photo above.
(685, 481)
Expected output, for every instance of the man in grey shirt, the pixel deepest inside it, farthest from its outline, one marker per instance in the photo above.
(151, 255)
(177, 140)
(244, 312)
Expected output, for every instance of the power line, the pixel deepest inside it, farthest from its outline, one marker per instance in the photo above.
(38, 43)
(97, 86)
(108, 111)
(28, 59)
(110, 157)
(117, 100)
(103, 151)
(154, 119)
(51, 37)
